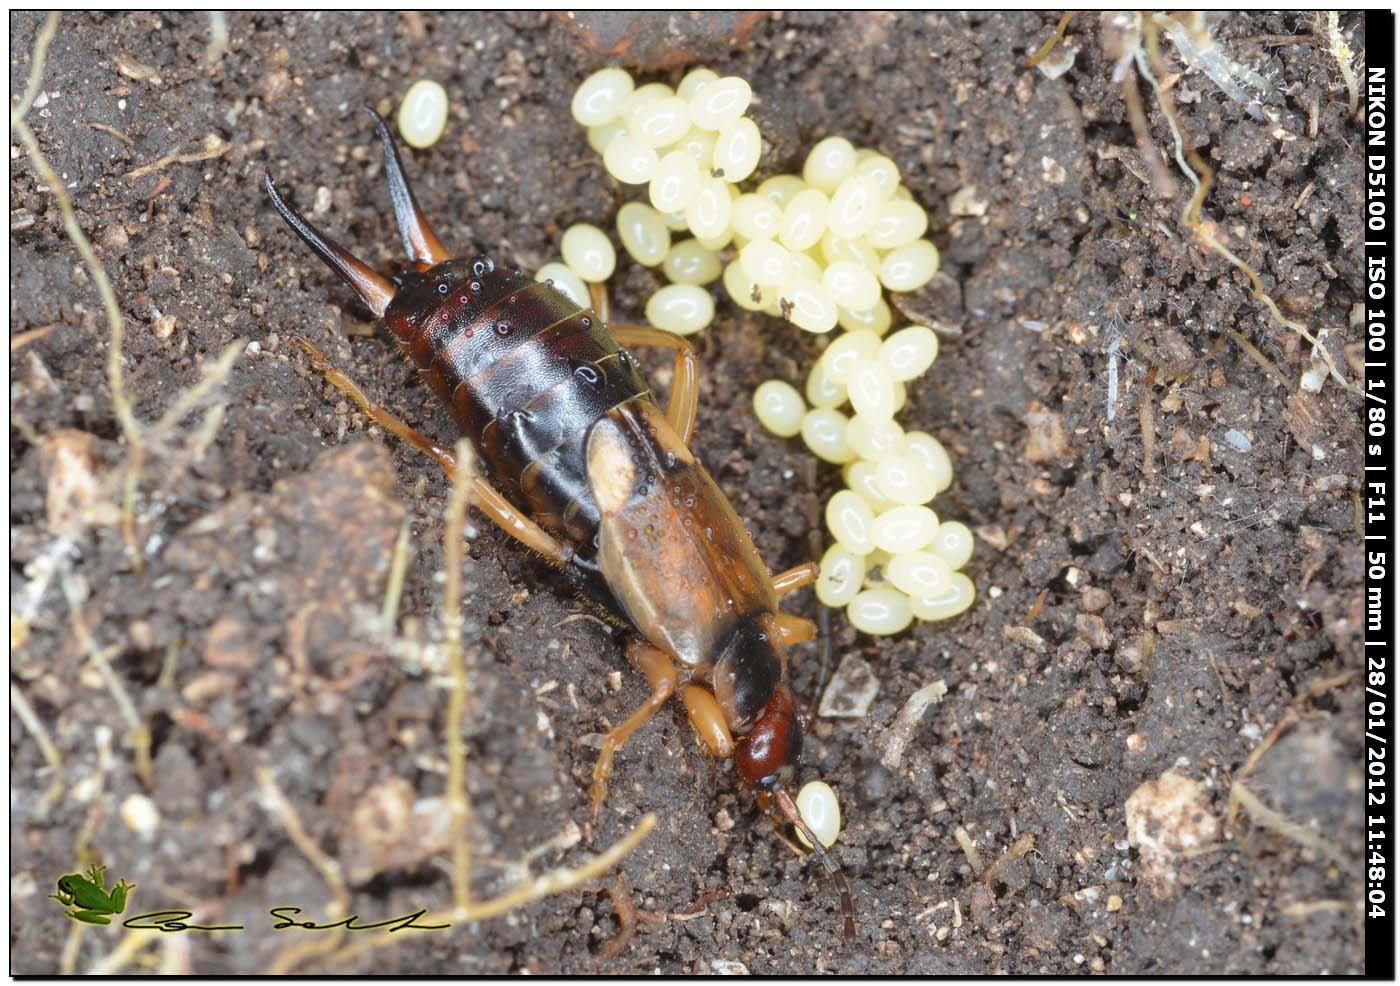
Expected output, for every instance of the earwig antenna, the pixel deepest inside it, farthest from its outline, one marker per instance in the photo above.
(374, 289)
(790, 812)
(419, 240)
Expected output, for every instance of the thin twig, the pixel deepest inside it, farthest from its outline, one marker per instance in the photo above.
(126, 417)
(20, 706)
(457, 705)
(1202, 178)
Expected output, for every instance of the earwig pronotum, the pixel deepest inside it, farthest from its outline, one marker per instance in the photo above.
(600, 482)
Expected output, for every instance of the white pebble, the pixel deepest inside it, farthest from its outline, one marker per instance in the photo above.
(919, 573)
(630, 161)
(599, 98)
(909, 352)
(953, 543)
(708, 213)
(904, 479)
(676, 182)
(142, 817)
(851, 521)
(830, 161)
(643, 233)
(690, 263)
(423, 113)
(900, 222)
(681, 308)
(871, 388)
(660, 121)
(910, 266)
(880, 612)
(952, 600)
(720, 102)
(851, 285)
(842, 355)
(737, 150)
(930, 451)
(566, 282)
(588, 252)
(907, 527)
(817, 805)
(840, 576)
(779, 407)
(804, 220)
(824, 431)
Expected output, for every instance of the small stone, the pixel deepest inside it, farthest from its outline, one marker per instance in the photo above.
(1114, 902)
(1167, 817)
(728, 967)
(852, 690)
(140, 814)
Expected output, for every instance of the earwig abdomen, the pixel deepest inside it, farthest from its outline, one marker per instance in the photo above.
(525, 373)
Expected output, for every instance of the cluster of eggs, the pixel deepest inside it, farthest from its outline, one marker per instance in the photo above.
(817, 249)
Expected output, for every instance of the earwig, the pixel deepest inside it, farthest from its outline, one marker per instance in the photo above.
(582, 466)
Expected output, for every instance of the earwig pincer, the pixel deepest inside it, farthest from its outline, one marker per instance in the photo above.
(579, 463)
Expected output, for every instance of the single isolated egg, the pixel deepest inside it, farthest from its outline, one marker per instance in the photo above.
(820, 811)
(423, 113)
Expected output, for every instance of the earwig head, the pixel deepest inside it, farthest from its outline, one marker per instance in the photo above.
(768, 752)
(749, 662)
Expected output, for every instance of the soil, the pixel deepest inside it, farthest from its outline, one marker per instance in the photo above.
(1159, 586)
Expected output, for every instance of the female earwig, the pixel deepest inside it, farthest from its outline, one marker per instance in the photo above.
(594, 477)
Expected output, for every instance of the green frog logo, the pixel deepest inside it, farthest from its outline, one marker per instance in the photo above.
(89, 898)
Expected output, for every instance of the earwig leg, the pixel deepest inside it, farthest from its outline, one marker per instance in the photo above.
(484, 496)
(626, 908)
(795, 629)
(685, 384)
(598, 291)
(707, 719)
(381, 416)
(795, 578)
(489, 501)
(661, 674)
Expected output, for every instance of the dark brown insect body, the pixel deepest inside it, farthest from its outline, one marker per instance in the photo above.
(582, 465)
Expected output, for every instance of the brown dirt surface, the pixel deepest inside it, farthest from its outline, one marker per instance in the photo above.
(1189, 569)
